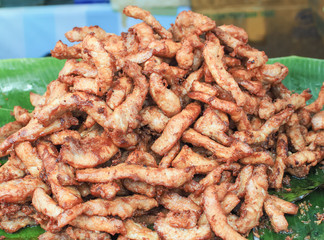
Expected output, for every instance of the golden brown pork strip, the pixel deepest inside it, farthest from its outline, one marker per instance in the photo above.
(28, 154)
(168, 177)
(213, 54)
(14, 168)
(125, 116)
(187, 157)
(20, 190)
(123, 207)
(163, 96)
(146, 16)
(78, 34)
(91, 104)
(275, 209)
(33, 130)
(237, 114)
(236, 151)
(166, 231)
(271, 125)
(175, 127)
(216, 216)
(138, 231)
(256, 193)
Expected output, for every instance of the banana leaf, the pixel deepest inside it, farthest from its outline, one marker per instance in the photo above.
(18, 77)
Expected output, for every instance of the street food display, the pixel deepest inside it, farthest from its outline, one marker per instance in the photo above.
(158, 134)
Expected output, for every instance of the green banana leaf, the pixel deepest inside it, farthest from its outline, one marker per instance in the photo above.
(18, 77)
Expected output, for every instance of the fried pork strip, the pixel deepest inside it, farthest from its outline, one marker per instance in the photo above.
(168, 177)
(175, 127)
(20, 190)
(213, 54)
(34, 130)
(236, 151)
(212, 198)
(138, 13)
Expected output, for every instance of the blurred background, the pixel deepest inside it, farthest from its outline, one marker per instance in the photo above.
(30, 28)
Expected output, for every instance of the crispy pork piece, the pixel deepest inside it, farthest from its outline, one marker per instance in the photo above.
(13, 225)
(20, 190)
(98, 109)
(188, 23)
(166, 231)
(154, 118)
(299, 163)
(263, 157)
(318, 104)
(144, 34)
(277, 171)
(190, 81)
(215, 175)
(88, 152)
(162, 96)
(175, 127)
(63, 51)
(177, 203)
(239, 187)
(294, 133)
(213, 54)
(169, 157)
(21, 115)
(119, 92)
(102, 224)
(72, 67)
(140, 187)
(45, 204)
(78, 233)
(244, 78)
(236, 32)
(78, 34)
(94, 49)
(67, 196)
(186, 54)
(187, 157)
(9, 129)
(54, 236)
(34, 130)
(125, 116)
(212, 198)
(318, 121)
(168, 177)
(123, 207)
(275, 209)
(236, 151)
(212, 126)
(105, 190)
(254, 57)
(252, 207)
(136, 231)
(14, 168)
(229, 202)
(268, 109)
(146, 16)
(173, 75)
(270, 126)
(166, 48)
(139, 157)
(115, 45)
(237, 114)
(28, 155)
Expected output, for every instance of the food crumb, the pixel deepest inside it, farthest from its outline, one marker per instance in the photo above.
(286, 180)
(320, 218)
